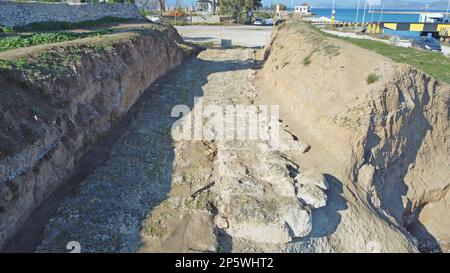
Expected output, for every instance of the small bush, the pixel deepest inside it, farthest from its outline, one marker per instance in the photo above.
(307, 60)
(372, 78)
(6, 65)
(7, 29)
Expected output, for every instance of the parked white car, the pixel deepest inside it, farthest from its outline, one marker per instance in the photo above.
(154, 19)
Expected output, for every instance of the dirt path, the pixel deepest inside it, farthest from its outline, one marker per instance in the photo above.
(237, 194)
(107, 212)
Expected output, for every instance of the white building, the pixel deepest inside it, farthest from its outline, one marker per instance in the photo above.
(304, 9)
(209, 6)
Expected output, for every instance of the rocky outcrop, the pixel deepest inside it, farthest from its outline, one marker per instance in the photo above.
(63, 99)
(247, 193)
(385, 143)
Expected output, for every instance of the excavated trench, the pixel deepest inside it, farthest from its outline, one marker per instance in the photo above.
(360, 168)
(62, 100)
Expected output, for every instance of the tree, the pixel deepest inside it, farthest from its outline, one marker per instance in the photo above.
(144, 5)
(162, 5)
(237, 7)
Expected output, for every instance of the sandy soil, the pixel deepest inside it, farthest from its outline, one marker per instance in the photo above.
(321, 86)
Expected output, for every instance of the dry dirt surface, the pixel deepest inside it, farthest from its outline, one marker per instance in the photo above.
(247, 36)
(386, 143)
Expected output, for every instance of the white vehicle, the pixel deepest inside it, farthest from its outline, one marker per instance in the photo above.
(431, 18)
(154, 19)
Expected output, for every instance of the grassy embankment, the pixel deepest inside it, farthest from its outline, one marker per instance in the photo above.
(434, 64)
(18, 41)
(52, 32)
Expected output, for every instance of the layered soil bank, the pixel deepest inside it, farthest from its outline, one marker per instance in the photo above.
(58, 100)
(379, 128)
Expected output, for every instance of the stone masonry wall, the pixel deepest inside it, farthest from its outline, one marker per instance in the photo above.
(20, 14)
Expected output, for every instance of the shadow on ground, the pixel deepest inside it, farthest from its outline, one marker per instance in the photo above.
(325, 220)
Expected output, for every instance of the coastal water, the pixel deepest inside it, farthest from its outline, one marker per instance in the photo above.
(349, 15)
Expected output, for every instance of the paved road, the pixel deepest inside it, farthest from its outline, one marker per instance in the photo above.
(248, 36)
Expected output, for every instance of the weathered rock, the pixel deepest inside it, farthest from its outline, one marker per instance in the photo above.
(312, 177)
(196, 241)
(312, 195)
(267, 221)
(299, 220)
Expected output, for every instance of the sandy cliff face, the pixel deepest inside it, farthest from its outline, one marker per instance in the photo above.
(386, 143)
(62, 100)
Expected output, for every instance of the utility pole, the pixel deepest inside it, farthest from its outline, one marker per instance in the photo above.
(448, 8)
(364, 15)
(382, 11)
(373, 12)
(333, 13)
(357, 12)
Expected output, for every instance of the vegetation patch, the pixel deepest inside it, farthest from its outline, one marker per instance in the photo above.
(18, 41)
(372, 78)
(307, 59)
(434, 64)
(55, 61)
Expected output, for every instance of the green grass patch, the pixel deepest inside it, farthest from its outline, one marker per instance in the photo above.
(205, 44)
(372, 78)
(307, 60)
(6, 65)
(18, 41)
(7, 29)
(55, 62)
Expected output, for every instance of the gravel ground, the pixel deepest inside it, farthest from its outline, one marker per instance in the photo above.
(249, 36)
